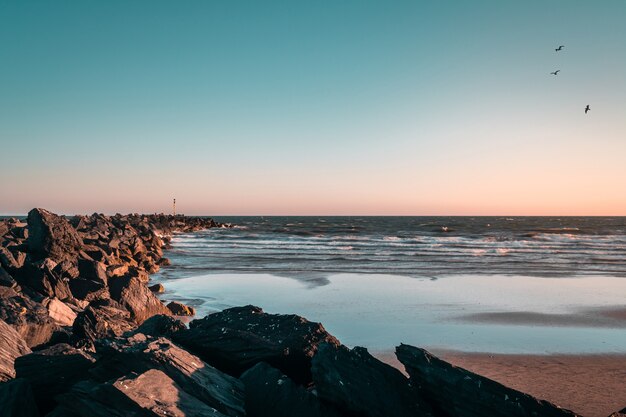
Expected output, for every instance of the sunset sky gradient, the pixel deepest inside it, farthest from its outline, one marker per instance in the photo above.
(326, 107)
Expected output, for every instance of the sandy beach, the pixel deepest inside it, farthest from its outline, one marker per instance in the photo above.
(591, 385)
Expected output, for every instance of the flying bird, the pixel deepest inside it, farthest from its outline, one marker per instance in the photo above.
(587, 108)
(555, 72)
(559, 48)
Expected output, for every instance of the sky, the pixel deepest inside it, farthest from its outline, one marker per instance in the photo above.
(350, 107)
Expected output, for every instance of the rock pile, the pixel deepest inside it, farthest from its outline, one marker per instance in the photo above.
(81, 335)
(84, 278)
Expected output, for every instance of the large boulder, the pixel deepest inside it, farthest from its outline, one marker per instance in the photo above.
(359, 384)
(16, 399)
(131, 293)
(139, 354)
(160, 325)
(53, 371)
(151, 393)
(101, 319)
(11, 346)
(236, 339)
(269, 393)
(82, 400)
(52, 236)
(155, 391)
(458, 392)
(28, 318)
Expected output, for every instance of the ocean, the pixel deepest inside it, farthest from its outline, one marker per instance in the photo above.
(484, 284)
(412, 246)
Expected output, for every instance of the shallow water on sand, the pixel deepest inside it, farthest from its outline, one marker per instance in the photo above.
(481, 313)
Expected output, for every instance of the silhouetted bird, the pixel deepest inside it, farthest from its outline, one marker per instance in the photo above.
(587, 108)
(555, 72)
(559, 48)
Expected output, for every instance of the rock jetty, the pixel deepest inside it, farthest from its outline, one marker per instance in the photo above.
(82, 334)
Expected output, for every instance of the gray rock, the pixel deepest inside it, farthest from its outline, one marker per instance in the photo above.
(16, 399)
(269, 393)
(136, 298)
(52, 236)
(101, 319)
(6, 280)
(458, 392)
(53, 371)
(236, 339)
(155, 391)
(157, 288)
(60, 312)
(138, 354)
(150, 394)
(180, 309)
(28, 318)
(160, 325)
(11, 346)
(359, 384)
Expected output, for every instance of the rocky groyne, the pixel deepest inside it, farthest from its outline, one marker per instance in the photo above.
(83, 334)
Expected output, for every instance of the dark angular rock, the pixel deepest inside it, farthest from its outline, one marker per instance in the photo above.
(28, 318)
(51, 236)
(92, 271)
(160, 325)
(53, 371)
(4, 228)
(150, 394)
(11, 346)
(66, 269)
(82, 401)
(455, 391)
(238, 338)
(6, 280)
(269, 393)
(11, 261)
(20, 231)
(88, 290)
(155, 391)
(359, 384)
(157, 288)
(139, 354)
(180, 309)
(41, 278)
(136, 298)
(101, 319)
(16, 399)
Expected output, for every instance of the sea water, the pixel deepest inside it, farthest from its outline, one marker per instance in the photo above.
(494, 284)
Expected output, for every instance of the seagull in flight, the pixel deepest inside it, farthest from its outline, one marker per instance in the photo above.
(559, 48)
(555, 72)
(587, 108)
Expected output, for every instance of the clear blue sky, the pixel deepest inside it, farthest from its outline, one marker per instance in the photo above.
(302, 107)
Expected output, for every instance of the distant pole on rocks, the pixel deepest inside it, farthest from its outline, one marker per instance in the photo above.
(174, 208)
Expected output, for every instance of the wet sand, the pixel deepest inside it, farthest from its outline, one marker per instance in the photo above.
(591, 385)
